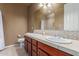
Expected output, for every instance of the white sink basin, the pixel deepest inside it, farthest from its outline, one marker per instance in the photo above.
(59, 40)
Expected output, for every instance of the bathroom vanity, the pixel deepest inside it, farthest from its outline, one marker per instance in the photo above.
(35, 47)
(64, 22)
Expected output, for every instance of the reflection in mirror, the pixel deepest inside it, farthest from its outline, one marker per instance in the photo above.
(50, 21)
(48, 16)
(42, 24)
(71, 17)
(63, 17)
(52, 16)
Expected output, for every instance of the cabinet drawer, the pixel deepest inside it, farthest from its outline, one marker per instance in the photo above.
(34, 53)
(51, 50)
(42, 53)
(34, 48)
(34, 42)
(28, 39)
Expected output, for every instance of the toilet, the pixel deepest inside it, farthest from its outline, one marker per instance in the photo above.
(21, 41)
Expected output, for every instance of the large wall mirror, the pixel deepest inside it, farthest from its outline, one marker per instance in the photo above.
(57, 17)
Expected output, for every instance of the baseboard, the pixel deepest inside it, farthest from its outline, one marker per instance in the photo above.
(10, 46)
(7, 47)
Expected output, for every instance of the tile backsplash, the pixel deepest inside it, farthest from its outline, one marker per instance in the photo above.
(65, 34)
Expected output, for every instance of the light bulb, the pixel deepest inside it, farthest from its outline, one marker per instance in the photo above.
(41, 5)
(44, 6)
(49, 4)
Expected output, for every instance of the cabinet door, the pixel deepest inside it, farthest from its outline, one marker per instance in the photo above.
(34, 53)
(34, 42)
(34, 48)
(29, 49)
(51, 50)
(26, 45)
(42, 53)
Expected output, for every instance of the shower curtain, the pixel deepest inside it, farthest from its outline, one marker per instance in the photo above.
(2, 45)
(71, 17)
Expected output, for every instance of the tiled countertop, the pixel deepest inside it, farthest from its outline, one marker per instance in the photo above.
(72, 48)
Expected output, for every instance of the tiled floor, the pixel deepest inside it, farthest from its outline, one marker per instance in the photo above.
(13, 51)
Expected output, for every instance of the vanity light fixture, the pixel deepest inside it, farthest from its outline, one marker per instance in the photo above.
(49, 5)
(45, 5)
(40, 4)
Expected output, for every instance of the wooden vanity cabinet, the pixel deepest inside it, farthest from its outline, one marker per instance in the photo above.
(29, 49)
(34, 53)
(42, 53)
(51, 51)
(28, 45)
(36, 48)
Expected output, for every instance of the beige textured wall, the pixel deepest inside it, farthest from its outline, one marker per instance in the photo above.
(14, 21)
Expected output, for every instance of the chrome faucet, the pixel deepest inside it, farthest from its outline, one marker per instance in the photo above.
(43, 32)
